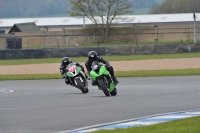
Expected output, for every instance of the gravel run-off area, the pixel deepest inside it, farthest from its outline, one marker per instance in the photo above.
(132, 65)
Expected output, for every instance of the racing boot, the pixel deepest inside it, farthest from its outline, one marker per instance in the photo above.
(94, 83)
(67, 81)
(115, 79)
(88, 78)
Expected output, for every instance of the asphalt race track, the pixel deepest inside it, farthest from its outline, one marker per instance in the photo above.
(49, 106)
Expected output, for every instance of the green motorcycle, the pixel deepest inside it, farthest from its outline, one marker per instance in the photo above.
(77, 77)
(102, 77)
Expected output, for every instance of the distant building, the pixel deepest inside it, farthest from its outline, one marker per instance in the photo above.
(25, 27)
(60, 23)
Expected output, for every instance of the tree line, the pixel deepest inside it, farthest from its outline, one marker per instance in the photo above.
(32, 8)
(176, 6)
(35, 8)
(143, 3)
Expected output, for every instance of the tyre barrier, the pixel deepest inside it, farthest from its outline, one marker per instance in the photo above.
(103, 51)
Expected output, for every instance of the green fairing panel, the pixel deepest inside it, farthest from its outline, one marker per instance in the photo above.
(112, 86)
(78, 69)
(103, 71)
(94, 75)
(69, 74)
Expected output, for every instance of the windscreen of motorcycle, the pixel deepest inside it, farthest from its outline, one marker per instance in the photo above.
(71, 66)
(96, 65)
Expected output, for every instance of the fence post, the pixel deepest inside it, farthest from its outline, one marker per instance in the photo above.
(195, 36)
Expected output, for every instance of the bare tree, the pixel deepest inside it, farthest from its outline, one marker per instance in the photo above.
(102, 13)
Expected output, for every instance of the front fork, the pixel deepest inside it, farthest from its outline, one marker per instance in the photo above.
(84, 83)
(107, 80)
(110, 78)
(76, 82)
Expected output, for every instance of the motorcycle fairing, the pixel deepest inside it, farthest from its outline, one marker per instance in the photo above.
(72, 74)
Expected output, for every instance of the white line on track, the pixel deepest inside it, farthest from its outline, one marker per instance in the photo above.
(6, 91)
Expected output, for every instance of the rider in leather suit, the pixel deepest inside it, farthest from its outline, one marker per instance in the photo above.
(92, 56)
(64, 63)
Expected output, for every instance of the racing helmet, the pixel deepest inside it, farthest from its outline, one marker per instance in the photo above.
(92, 55)
(65, 60)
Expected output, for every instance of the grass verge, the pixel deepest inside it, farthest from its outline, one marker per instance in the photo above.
(145, 73)
(179, 42)
(189, 125)
(148, 73)
(109, 58)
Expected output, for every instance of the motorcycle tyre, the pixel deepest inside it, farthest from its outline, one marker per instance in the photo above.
(103, 87)
(80, 85)
(86, 90)
(114, 92)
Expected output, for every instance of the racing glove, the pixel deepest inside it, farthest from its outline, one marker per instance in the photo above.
(78, 64)
(107, 64)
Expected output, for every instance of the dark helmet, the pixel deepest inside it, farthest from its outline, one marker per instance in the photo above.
(92, 55)
(65, 60)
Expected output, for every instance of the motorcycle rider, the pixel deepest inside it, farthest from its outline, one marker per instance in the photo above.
(64, 63)
(92, 56)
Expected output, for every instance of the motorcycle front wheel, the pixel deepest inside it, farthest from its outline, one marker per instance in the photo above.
(103, 87)
(80, 85)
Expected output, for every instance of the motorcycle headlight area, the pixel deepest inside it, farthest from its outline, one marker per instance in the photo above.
(95, 67)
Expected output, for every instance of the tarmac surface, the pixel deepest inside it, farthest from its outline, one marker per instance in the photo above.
(50, 106)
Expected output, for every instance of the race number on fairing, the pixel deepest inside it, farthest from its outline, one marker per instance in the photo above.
(72, 69)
